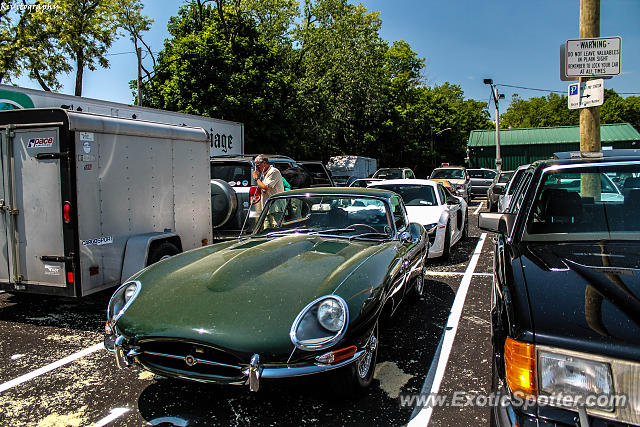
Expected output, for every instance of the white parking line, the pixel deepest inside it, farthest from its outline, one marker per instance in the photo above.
(115, 413)
(479, 207)
(424, 416)
(50, 367)
(453, 273)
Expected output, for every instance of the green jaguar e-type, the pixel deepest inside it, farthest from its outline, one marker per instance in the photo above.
(302, 295)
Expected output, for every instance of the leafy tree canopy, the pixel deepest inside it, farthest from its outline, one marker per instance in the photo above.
(552, 110)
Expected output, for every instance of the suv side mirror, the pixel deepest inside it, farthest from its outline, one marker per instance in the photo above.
(497, 222)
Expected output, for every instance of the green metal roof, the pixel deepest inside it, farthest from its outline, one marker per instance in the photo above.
(551, 135)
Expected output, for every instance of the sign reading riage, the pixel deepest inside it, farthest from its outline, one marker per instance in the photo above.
(593, 57)
(586, 94)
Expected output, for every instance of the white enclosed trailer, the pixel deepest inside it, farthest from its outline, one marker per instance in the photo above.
(87, 200)
(344, 167)
(225, 137)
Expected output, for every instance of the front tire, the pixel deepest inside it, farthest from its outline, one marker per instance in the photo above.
(355, 378)
(418, 286)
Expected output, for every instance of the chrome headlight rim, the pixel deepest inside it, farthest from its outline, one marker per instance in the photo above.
(320, 345)
(112, 317)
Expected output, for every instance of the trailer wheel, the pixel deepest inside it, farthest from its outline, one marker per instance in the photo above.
(162, 251)
(224, 202)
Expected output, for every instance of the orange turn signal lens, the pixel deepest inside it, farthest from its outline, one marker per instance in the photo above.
(520, 367)
(337, 356)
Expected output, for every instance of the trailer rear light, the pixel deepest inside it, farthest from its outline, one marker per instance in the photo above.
(94, 271)
(66, 212)
(254, 194)
(205, 242)
(70, 276)
(520, 367)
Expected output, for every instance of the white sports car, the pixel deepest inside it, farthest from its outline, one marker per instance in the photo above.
(429, 203)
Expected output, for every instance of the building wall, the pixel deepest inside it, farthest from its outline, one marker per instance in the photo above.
(517, 155)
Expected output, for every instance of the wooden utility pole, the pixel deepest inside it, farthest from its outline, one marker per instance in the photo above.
(589, 117)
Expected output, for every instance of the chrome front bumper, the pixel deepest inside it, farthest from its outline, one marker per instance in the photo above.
(252, 372)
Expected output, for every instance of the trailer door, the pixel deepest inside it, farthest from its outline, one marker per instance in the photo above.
(31, 209)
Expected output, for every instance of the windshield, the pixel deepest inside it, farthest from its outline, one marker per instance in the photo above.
(236, 174)
(516, 180)
(448, 174)
(389, 174)
(597, 203)
(413, 195)
(342, 215)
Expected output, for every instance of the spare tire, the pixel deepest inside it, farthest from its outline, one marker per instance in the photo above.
(224, 202)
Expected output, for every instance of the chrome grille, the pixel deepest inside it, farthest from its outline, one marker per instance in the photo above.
(187, 358)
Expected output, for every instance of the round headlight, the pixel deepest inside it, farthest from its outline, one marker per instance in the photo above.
(129, 291)
(331, 315)
(320, 324)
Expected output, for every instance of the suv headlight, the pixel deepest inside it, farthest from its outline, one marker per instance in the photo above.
(320, 324)
(121, 300)
(572, 376)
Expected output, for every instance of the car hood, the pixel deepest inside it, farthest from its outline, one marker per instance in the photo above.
(245, 296)
(424, 214)
(585, 296)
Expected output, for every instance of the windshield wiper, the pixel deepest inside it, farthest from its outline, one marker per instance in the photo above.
(289, 231)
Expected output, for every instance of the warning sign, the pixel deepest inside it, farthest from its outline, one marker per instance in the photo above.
(593, 57)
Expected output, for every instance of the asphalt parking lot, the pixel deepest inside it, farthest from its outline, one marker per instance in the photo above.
(53, 371)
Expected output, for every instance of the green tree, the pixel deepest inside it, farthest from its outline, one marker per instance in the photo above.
(60, 35)
(215, 64)
(340, 86)
(552, 110)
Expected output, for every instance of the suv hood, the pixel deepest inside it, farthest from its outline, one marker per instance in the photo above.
(585, 296)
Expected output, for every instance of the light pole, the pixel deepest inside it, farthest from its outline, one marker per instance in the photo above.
(496, 96)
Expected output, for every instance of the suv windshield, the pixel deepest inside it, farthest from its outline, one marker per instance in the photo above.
(342, 215)
(448, 174)
(589, 203)
(236, 174)
(389, 174)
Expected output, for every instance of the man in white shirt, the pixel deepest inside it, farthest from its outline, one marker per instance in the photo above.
(268, 178)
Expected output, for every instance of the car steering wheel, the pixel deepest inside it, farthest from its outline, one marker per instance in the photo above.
(362, 225)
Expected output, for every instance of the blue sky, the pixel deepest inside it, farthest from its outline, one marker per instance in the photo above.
(514, 42)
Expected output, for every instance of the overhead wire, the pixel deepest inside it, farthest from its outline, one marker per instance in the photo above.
(556, 91)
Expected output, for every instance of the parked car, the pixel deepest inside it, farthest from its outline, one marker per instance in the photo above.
(290, 300)
(444, 216)
(480, 180)
(457, 176)
(496, 189)
(364, 182)
(566, 296)
(319, 173)
(446, 184)
(394, 173)
(505, 198)
(232, 185)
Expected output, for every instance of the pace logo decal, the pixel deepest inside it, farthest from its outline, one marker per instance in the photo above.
(52, 270)
(40, 142)
(107, 240)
